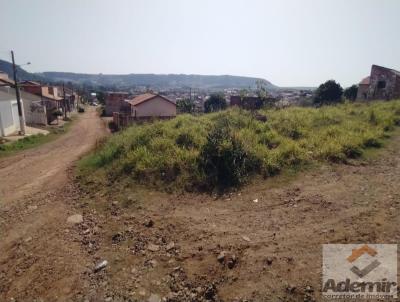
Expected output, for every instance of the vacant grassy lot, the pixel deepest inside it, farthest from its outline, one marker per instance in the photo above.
(224, 149)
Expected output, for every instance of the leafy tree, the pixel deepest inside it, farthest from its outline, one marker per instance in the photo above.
(185, 106)
(327, 93)
(216, 102)
(350, 93)
(262, 92)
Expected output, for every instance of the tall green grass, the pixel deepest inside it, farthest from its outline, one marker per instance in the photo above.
(224, 149)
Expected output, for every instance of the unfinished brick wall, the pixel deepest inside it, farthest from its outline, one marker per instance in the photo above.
(114, 102)
(384, 83)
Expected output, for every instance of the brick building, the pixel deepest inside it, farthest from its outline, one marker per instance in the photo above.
(383, 83)
(115, 102)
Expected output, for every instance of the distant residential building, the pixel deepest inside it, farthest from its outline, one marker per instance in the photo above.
(71, 98)
(246, 102)
(144, 107)
(34, 110)
(383, 83)
(152, 105)
(48, 97)
(9, 118)
(115, 102)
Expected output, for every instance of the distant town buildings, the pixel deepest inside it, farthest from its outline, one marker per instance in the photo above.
(382, 83)
(246, 102)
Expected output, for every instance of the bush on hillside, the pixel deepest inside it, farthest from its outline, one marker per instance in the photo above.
(216, 102)
(328, 93)
(350, 93)
(223, 159)
(185, 106)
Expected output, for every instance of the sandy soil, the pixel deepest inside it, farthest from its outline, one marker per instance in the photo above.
(166, 247)
(43, 169)
(34, 206)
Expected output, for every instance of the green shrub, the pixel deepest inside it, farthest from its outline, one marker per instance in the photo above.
(185, 140)
(224, 159)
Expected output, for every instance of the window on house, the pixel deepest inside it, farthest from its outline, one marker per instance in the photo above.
(381, 84)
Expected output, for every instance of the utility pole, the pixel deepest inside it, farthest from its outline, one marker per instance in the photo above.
(65, 103)
(18, 96)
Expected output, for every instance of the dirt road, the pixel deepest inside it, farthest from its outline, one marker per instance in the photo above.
(44, 169)
(169, 246)
(35, 200)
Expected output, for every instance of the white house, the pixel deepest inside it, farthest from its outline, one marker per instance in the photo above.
(9, 118)
(34, 109)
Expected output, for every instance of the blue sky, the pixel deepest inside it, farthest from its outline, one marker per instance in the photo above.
(289, 42)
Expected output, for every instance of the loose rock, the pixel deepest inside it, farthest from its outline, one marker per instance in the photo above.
(154, 298)
(153, 247)
(231, 262)
(170, 246)
(75, 219)
(148, 223)
(100, 266)
(221, 256)
(245, 238)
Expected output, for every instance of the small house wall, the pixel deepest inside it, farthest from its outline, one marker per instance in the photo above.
(362, 93)
(35, 112)
(114, 101)
(156, 107)
(380, 74)
(9, 119)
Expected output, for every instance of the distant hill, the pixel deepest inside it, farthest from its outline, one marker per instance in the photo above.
(159, 81)
(163, 81)
(21, 73)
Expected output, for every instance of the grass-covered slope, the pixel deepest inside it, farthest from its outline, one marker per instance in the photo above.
(224, 149)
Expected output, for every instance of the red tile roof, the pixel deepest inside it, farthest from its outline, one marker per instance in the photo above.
(146, 97)
(365, 81)
(47, 95)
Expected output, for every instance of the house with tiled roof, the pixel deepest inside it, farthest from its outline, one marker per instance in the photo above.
(382, 83)
(48, 97)
(150, 105)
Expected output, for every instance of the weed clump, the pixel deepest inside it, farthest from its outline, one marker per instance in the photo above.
(223, 159)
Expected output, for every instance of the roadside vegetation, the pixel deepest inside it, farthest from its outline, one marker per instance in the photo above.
(9, 148)
(225, 149)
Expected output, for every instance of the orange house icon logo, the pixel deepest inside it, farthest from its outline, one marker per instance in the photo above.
(357, 253)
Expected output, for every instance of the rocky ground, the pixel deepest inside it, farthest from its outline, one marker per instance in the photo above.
(263, 242)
